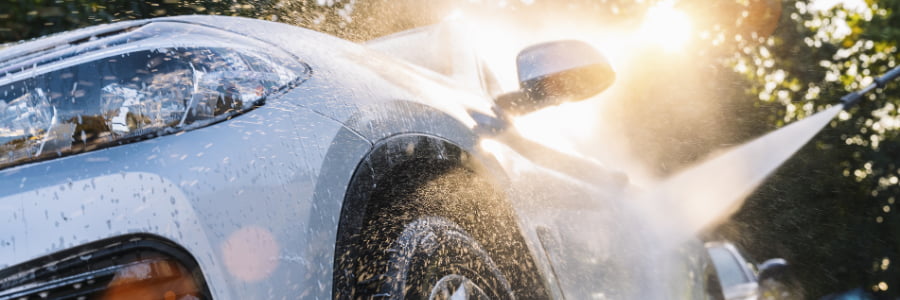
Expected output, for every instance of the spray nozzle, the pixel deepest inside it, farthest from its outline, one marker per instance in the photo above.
(849, 100)
(887, 77)
(852, 98)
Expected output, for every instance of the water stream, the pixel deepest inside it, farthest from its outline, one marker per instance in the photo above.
(712, 190)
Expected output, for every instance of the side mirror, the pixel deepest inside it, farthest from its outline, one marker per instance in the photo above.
(553, 73)
(775, 269)
(775, 280)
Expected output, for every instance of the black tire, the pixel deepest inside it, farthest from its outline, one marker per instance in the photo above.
(433, 258)
(449, 226)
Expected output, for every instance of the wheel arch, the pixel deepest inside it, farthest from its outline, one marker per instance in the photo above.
(413, 160)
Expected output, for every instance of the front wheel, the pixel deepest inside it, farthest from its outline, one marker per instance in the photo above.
(433, 258)
(447, 235)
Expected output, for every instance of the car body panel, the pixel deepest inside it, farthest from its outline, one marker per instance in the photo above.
(361, 73)
(197, 194)
(62, 40)
(210, 193)
(411, 100)
(257, 199)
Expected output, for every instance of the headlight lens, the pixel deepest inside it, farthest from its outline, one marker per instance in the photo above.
(73, 106)
(151, 279)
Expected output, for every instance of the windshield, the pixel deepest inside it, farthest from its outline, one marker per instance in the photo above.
(730, 270)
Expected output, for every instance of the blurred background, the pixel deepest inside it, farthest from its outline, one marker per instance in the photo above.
(695, 77)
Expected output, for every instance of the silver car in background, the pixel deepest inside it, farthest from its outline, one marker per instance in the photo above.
(742, 279)
(736, 275)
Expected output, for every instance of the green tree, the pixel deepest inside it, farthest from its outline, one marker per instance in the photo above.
(27, 19)
(829, 210)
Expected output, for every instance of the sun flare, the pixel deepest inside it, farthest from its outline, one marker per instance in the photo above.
(666, 26)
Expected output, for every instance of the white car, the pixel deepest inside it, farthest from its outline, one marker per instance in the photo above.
(203, 157)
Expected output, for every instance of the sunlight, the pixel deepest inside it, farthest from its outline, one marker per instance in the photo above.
(559, 127)
(497, 42)
(564, 128)
(666, 26)
(456, 14)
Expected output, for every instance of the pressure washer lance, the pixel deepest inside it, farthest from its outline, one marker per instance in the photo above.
(851, 99)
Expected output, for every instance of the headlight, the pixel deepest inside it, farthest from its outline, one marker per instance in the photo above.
(66, 103)
(137, 268)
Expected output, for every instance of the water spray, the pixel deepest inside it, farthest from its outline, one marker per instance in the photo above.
(700, 196)
(677, 208)
(694, 199)
(712, 190)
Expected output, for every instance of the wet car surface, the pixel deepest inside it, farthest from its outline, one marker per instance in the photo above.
(214, 157)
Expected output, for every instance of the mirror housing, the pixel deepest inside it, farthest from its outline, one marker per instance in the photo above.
(556, 72)
(774, 268)
(775, 278)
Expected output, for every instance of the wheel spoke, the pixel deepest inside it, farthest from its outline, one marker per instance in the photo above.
(460, 293)
(462, 288)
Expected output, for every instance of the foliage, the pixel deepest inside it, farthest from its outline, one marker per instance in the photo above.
(829, 210)
(26, 19)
